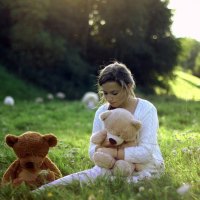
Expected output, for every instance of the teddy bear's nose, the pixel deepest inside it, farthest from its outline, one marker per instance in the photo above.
(112, 141)
(29, 165)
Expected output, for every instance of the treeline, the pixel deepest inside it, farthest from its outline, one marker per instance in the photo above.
(60, 44)
(189, 57)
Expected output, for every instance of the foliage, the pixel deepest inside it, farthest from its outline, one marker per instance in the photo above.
(59, 44)
(188, 57)
(140, 38)
(197, 65)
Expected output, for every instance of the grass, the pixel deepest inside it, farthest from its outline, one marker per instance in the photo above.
(186, 86)
(10, 85)
(71, 122)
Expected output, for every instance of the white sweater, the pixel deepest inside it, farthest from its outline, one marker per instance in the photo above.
(147, 152)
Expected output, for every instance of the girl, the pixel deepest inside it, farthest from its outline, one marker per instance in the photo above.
(116, 88)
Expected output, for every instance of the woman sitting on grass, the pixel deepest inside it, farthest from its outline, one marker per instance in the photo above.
(117, 84)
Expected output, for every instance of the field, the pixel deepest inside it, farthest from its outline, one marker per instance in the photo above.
(71, 122)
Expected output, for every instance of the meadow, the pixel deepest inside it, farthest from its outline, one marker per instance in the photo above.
(71, 122)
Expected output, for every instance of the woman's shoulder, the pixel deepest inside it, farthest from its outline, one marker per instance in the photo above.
(145, 106)
(145, 103)
(102, 108)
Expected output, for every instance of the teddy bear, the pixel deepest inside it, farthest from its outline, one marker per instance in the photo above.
(32, 165)
(120, 131)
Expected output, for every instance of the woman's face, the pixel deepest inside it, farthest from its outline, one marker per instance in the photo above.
(114, 94)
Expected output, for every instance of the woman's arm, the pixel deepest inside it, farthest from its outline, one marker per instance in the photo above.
(147, 139)
(97, 126)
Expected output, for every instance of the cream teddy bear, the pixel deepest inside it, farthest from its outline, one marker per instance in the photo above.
(121, 130)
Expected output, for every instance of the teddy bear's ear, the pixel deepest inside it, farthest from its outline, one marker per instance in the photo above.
(51, 139)
(104, 115)
(137, 124)
(11, 140)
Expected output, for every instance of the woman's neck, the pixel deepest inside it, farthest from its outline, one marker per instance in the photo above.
(131, 104)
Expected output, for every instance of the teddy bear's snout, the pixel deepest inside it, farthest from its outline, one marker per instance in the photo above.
(29, 165)
(32, 163)
(112, 141)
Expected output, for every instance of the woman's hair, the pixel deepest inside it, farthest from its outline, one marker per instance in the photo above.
(119, 73)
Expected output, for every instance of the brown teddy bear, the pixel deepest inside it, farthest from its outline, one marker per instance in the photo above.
(121, 131)
(32, 165)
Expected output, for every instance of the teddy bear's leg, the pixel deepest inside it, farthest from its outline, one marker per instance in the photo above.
(17, 182)
(103, 160)
(123, 168)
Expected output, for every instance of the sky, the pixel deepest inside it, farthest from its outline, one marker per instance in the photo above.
(186, 19)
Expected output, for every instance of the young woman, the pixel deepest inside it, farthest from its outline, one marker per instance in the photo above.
(116, 87)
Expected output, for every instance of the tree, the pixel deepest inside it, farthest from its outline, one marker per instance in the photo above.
(59, 44)
(190, 49)
(197, 65)
(138, 34)
(42, 48)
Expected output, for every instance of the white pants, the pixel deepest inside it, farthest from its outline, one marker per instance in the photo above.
(90, 175)
(85, 176)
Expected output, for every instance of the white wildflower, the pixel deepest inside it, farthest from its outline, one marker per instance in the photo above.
(50, 96)
(185, 150)
(90, 99)
(183, 189)
(141, 189)
(9, 101)
(60, 95)
(198, 150)
(39, 100)
(174, 152)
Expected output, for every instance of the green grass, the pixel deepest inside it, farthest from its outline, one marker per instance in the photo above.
(71, 122)
(10, 85)
(186, 86)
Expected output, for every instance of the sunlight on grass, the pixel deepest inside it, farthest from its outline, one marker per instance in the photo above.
(186, 86)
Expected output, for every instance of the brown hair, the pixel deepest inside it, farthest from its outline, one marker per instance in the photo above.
(117, 72)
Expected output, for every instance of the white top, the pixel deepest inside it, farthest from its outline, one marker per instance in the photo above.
(147, 152)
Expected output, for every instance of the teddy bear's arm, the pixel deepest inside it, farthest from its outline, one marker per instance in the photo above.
(98, 137)
(48, 164)
(11, 173)
(128, 144)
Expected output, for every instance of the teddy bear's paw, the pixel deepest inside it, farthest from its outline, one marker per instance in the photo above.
(103, 160)
(123, 168)
(45, 176)
(51, 176)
